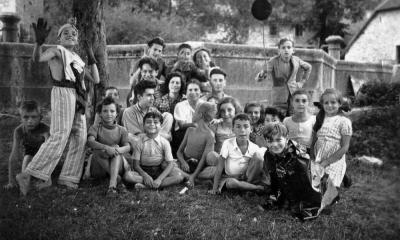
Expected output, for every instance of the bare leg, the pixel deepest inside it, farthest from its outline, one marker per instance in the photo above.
(242, 185)
(175, 177)
(133, 177)
(25, 161)
(115, 165)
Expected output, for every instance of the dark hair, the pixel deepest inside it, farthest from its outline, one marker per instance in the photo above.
(198, 50)
(153, 114)
(193, 81)
(274, 129)
(256, 104)
(165, 86)
(141, 87)
(301, 91)
(150, 61)
(319, 119)
(109, 88)
(198, 75)
(241, 117)
(157, 40)
(29, 106)
(217, 70)
(107, 101)
(184, 45)
(274, 112)
(285, 39)
(231, 100)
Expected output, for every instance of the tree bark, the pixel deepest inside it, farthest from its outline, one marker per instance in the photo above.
(90, 23)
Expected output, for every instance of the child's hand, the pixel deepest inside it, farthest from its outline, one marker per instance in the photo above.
(324, 163)
(185, 166)
(261, 76)
(9, 186)
(214, 192)
(148, 181)
(157, 183)
(89, 52)
(216, 121)
(111, 151)
(41, 31)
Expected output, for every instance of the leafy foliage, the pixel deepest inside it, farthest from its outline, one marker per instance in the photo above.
(378, 94)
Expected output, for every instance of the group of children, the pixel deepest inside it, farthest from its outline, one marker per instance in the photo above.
(197, 131)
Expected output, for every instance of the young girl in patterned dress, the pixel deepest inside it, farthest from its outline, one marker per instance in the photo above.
(331, 140)
(256, 114)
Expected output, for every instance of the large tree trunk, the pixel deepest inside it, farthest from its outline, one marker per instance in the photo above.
(90, 22)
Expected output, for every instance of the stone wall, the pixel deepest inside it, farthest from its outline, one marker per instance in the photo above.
(20, 78)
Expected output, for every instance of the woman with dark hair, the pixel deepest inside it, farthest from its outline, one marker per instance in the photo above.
(173, 92)
(204, 64)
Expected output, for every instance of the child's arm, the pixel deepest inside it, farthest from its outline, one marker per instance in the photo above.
(179, 153)
(41, 33)
(336, 156)
(209, 148)
(307, 72)
(124, 149)
(92, 62)
(147, 180)
(163, 175)
(13, 157)
(313, 140)
(95, 145)
(218, 174)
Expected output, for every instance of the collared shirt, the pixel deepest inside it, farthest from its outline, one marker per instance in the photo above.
(152, 151)
(236, 162)
(184, 112)
(132, 118)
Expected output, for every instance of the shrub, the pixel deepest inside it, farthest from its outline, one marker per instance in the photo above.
(378, 94)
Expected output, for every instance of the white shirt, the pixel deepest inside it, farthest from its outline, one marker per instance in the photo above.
(301, 132)
(184, 112)
(236, 163)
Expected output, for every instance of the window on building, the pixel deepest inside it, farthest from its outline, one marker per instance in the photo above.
(273, 29)
(398, 53)
(298, 29)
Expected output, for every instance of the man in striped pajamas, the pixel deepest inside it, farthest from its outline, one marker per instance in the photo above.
(68, 124)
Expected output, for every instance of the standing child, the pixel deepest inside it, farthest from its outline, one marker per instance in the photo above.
(283, 71)
(238, 164)
(197, 143)
(331, 140)
(31, 133)
(152, 157)
(256, 114)
(109, 142)
(68, 123)
(301, 124)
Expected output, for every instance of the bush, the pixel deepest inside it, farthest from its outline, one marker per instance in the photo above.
(377, 134)
(378, 94)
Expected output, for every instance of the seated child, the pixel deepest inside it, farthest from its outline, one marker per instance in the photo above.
(197, 143)
(272, 115)
(286, 162)
(152, 158)
(256, 114)
(238, 164)
(30, 134)
(109, 142)
(114, 94)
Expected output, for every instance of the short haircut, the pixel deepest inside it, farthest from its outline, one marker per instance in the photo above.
(256, 104)
(199, 50)
(275, 129)
(196, 74)
(217, 70)
(241, 117)
(274, 112)
(231, 100)
(157, 40)
(141, 87)
(301, 91)
(150, 61)
(204, 109)
(165, 86)
(285, 39)
(153, 114)
(193, 81)
(29, 106)
(107, 101)
(184, 45)
(110, 88)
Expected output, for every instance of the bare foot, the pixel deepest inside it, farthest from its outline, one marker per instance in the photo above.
(140, 186)
(43, 184)
(68, 184)
(23, 180)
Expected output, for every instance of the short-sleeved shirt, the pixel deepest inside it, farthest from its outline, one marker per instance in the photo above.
(32, 139)
(151, 151)
(236, 162)
(184, 112)
(109, 135)
(132, 118)
(301, 132)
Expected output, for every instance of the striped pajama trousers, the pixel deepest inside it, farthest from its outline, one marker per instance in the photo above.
(66, 128)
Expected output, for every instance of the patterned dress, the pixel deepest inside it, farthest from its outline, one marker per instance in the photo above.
(329, 137)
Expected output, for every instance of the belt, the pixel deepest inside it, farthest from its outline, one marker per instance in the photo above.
(64, 83)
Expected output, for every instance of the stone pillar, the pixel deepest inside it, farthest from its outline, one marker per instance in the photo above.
(10, 27)
(334, 46)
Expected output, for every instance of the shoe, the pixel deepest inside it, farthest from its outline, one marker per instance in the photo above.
(43, 184)
(68, 184)
(23, 181)
(112, 191)
(140, 186)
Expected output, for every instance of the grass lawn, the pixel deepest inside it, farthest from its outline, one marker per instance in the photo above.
(369, 209)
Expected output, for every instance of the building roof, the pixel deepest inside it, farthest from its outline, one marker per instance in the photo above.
(387, 5)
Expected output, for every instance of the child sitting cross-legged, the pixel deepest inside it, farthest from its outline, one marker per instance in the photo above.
(152, 157)
(109, 142)
(286, 162)
(197, 143)
(238, 164)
